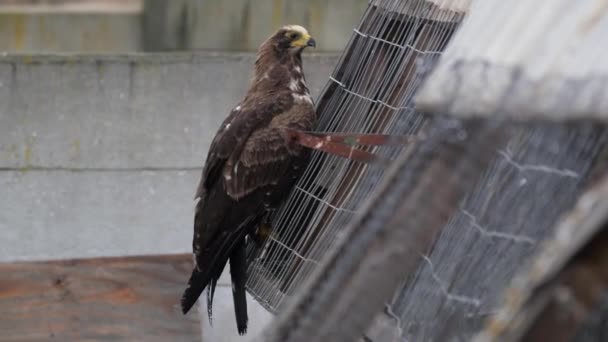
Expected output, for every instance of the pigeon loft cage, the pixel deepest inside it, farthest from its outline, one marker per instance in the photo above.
(506, 136)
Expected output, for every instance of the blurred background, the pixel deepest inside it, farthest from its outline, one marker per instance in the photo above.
(103, 26)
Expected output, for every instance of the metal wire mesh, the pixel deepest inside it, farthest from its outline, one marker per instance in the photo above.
(561, 294)
(370, 92)
(534, 179)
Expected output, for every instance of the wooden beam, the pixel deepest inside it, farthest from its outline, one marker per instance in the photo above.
(101, 299)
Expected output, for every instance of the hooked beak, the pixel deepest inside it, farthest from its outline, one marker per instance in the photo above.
(311, 42)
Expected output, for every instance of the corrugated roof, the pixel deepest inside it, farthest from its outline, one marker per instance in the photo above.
(526, 60)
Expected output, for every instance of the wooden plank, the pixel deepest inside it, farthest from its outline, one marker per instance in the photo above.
(101, 299)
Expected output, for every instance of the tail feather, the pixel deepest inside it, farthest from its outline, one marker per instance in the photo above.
(216, 257)
(196, 285)
(210, 294)
(238, 273)
(199, 280)
(215, 276)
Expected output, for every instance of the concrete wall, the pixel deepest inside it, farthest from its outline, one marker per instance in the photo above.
(56, 32)
(242, 24)
(165, 25)
(101, 156)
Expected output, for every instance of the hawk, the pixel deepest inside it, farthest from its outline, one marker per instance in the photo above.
(251, 167)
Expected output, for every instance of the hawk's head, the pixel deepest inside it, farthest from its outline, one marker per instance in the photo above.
(292, 38)
(282, 49)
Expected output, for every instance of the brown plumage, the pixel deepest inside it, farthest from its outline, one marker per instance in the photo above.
(251, 167)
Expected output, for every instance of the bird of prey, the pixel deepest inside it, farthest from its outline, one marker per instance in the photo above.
(251, 167)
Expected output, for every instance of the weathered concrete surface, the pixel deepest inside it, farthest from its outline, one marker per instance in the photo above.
(146, 112)
(239, 24)
(162, 25)
(66, 214)
(53, 32)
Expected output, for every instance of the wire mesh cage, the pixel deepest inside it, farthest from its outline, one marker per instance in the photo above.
(561, 295)
(452, 220)
(534, 177)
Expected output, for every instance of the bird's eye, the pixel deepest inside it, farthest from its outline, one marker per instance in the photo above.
(293, 35)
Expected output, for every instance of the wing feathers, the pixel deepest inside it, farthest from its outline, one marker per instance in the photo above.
(267, 154)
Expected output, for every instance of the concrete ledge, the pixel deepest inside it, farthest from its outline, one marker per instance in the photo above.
(65, 214)
(128, 111)
(37, 32)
